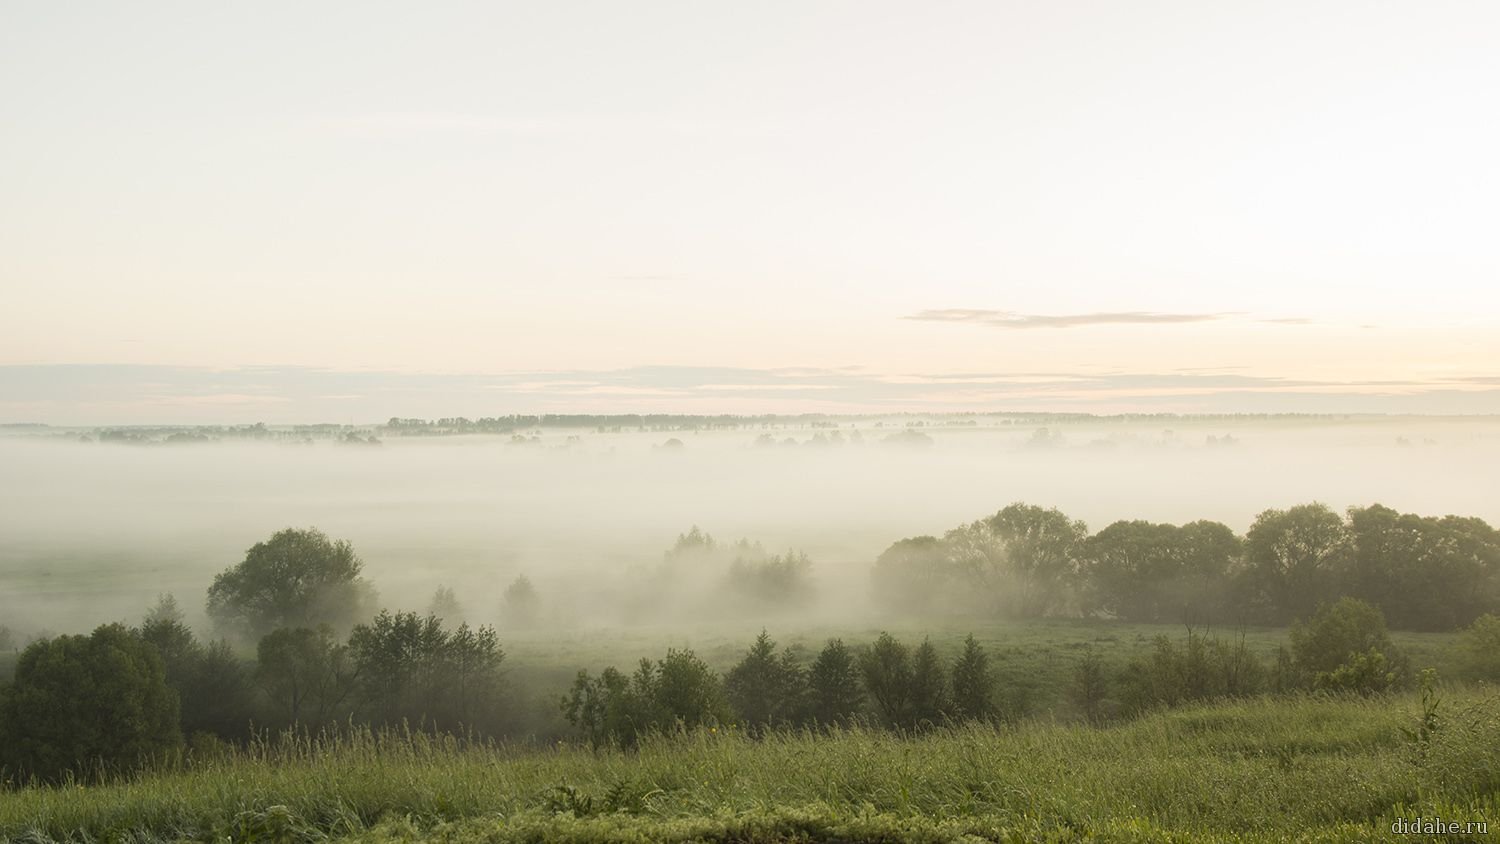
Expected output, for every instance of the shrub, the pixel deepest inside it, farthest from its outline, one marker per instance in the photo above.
(1334, 649)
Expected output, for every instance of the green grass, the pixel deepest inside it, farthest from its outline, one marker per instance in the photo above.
(1261, 770)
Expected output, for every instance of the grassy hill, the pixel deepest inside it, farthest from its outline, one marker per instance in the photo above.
(1300, 768)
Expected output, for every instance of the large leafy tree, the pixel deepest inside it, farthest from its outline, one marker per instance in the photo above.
(1293, 557)
(1041, 556)
(1424, 573)
(1140, 571)
(83, 704)
(297, 578)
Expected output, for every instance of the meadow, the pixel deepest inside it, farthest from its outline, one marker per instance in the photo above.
(1301, 768)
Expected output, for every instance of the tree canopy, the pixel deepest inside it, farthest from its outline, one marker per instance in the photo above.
(297, 578)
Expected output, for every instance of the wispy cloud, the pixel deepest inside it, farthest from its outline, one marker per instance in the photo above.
(1012, 319)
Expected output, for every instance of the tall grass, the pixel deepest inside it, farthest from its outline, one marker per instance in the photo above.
(1263, 769)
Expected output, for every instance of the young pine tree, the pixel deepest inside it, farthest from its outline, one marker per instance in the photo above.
(973, 685)
(929, 687)
(835, 695)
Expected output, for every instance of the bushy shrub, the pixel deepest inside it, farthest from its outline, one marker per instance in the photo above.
(1344, 646)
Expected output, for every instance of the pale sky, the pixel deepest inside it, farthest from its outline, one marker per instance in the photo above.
(307, 211)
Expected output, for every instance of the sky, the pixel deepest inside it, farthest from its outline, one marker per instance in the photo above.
(297, 212)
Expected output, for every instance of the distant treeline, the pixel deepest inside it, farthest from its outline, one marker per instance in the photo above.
(1422, 572)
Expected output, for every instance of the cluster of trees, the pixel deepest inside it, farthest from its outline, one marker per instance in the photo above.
(599, 422)
(702, 578)
(110, 700)
(1423, 573)
(886, 683)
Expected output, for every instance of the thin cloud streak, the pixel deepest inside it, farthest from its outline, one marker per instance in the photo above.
(1014, 320)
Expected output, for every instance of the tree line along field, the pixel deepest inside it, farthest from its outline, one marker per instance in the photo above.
(1033, 662)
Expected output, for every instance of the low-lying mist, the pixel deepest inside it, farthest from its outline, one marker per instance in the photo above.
(93, 531)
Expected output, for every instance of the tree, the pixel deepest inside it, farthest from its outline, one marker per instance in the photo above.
(913, 575)
(444, 605)
(833, 685)
(1090, 686)
(83, 704)
(688, 691)
(1293, 557)
(886, 667)
(212, 688)
(677, 692)
(1041, 550)
(1344, 645)
(782, 581)
(929, 687)
(1479, 649)
(973, 684)
(411, 668)
(765, 688)
(305, 673)
(1140, 571)
(521, 603)
(1423, 573)
(297, 578)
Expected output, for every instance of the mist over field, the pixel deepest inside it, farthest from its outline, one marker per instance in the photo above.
(94, 531)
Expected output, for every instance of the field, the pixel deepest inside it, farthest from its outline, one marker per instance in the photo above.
(1316, 769)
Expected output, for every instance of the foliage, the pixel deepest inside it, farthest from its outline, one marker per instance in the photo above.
(1345, 646)
(836, 697)
(765, 688)
(782, 581)
(973, 682)
(1479, 649)
(1090, 687)
(297, 578)
(887, 670)
(677, 692)
(1424, 573)
(88, 704)
(522, 605)
(1041, 553)
(1293, 558)
(306, 674)
(1139, 571)
(413, 669)
(445, 605)
(1202, 668)
(929, 696)
(213, 688)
